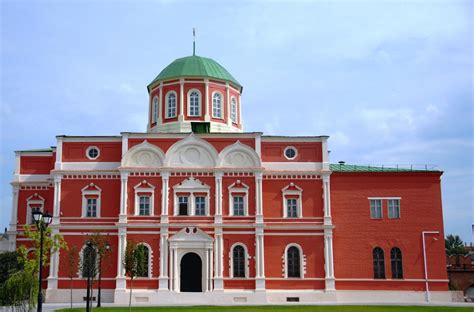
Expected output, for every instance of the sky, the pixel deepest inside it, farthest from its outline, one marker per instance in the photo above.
(391, 82)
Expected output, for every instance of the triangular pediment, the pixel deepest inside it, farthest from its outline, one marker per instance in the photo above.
(191, 234)
(191, 184)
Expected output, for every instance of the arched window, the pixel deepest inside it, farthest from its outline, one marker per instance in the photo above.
(379, 263)
(171, 105)
(238, 261)
(143, 266)
(194, 103)
(89, 259)
(397, 264)
(217, 105)
(293, 260)
(155, 109)
(233, 110)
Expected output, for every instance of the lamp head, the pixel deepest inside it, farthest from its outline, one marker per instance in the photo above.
(37, 215)
(47, 218)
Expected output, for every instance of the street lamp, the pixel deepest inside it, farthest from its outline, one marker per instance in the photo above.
(427, 294)
(107, 249)
(42, 220)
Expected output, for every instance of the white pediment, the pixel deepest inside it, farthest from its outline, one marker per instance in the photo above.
(143, 155)
(238, 155)
(191, 184)
(191, 237)
(191, 152)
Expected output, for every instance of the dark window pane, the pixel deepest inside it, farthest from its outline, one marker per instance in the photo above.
(396, 261)
(293, 264)
(379, 263)
(238, 258)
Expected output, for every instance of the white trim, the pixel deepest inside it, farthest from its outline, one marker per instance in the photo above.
(293, 148)
(199, 103)
(292, 139)
(85, 139)
(149, 189)
(90, 165)
(302, 261)
(167, 116)
(299, 202)
(155, 109)
(231, 261)
(191, 186)
(30, 202)
(221, 105)
(233, 100)
(292, 166)
(384, 198)
(89, 149)
(97, 192)
(232, 189)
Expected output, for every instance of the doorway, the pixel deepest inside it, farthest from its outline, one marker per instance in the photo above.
(191, 273)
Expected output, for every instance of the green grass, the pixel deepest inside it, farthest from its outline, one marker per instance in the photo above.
(286, 309)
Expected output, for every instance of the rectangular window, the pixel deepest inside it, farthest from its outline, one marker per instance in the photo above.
(394, 208)
(376, 209)
(292, 207)
(91, 209)
(200, 205)
(238, 205)
(183, 205)
(144, 206)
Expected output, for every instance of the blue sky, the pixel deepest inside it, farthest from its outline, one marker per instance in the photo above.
(390, 82)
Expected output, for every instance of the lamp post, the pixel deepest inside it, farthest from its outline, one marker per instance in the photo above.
(427, 288)
(107, 248)
(42, 220)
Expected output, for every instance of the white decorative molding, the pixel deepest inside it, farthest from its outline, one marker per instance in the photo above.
(231, 260)
(192, 151)
(144, 155)
(191, 186)
(238, 187)
(91, 190)
(302, 261)
(292, 190)
(34, 201)
(238, 155)
(147, 188)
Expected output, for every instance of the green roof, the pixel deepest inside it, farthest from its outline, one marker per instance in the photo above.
(195, 66)
(358, 168)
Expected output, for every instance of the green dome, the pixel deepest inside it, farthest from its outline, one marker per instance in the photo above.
(195, 66)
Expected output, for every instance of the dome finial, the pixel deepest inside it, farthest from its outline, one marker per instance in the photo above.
(194, 41)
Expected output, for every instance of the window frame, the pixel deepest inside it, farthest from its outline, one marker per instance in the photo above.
(167, 97)
(89, 149)
(246, 261)
(396, 261)
(33, 202)
(293, 148)
(96, 193)
(143, 189)
(240, 190)
(149, 262)
(155, 109)
(301, 261)
(377, 266)
(389, 214)
(233, 109)
(199, 105)
(191, 188)
(374, 200)
(221, 107)
(286, 194)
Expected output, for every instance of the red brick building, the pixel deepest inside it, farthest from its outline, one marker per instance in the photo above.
(231, 216)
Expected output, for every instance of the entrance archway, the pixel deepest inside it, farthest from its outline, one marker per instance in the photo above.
(191, 273)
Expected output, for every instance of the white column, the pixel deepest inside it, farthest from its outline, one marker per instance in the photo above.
(57, 199)
(163, 259)
(165, 178)
(260, 259)
(218, 216)
(239, 112)
(258, 197)
(206, 100)
(327, 200)
(227, 98)
(53, 266)
(59, 153)
(175, 271)
(123, 197)
(181, 100)
(219, 257)
(206, 271)
(14, 217)
(160, 109)
(124, 143)
(329, 260)
(122, 244)
(211, 269)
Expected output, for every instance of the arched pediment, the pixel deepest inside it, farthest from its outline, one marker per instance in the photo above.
(143, 155)
(191, 152)
(238, 155)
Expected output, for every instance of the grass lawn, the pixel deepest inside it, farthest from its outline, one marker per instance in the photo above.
(285, 309)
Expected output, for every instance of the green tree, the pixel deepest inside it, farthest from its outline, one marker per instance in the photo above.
(73, 265)
(9, 266)
(455, 246)
(21, 287)
(132, 260)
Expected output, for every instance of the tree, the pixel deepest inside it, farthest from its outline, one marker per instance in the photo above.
(102, 246)
(73, 264)
(89, 269)
(21, 287)
(9, 266)
(132, 262)
(455, 246)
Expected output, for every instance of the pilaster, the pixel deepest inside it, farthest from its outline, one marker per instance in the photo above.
(123, 196)
(122, 244)
(206, 101)
(163, 279)
(14, 217)
(218, 216)
(54, 265)
(219, 260)
(228, 104)
(260, 259)
(259, 197)
(57, 199)
(329, 260)
(165, 178)
(181, 100)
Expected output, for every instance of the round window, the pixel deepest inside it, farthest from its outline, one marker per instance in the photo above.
(290, 152)
(92, 152)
